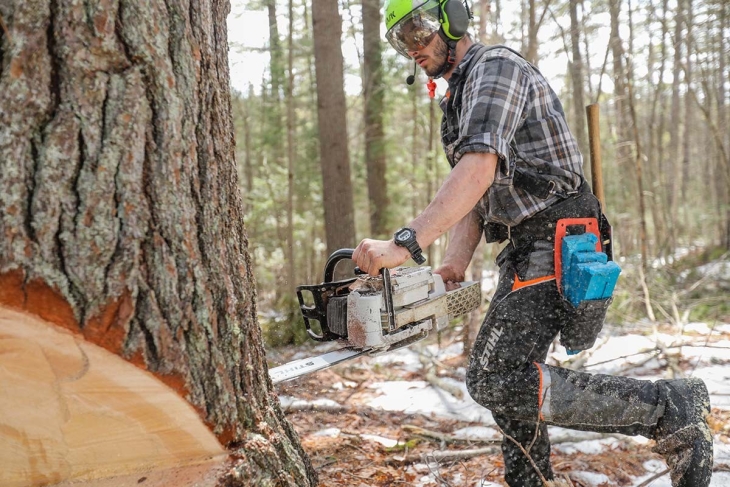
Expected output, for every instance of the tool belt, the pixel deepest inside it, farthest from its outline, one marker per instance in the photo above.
(584, 317)
(541, 226)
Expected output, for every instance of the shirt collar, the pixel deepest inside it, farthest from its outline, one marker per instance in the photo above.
(457, 73)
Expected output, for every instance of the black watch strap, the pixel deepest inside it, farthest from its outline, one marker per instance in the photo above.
(406, 237)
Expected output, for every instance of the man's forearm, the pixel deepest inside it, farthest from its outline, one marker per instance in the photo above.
(464, 239)
(461, 191)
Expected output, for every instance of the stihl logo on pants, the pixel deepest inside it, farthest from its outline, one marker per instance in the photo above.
(489, 348)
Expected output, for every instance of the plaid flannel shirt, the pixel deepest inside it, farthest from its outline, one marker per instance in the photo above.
(508, 108)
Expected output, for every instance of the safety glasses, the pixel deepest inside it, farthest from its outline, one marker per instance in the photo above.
(414, 31)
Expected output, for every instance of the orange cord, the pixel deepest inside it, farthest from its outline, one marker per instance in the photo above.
(431, 85)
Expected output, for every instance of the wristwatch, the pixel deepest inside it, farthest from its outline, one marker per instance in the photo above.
(406, 237)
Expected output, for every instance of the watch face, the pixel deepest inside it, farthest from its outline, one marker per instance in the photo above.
(404, 235)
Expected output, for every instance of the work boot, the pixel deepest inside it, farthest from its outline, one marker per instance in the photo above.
(674, 413)
(682, 435)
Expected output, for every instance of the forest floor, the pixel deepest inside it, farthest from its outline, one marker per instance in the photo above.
(405, 418)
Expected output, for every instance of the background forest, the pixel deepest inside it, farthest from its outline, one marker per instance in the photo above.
(333, 148)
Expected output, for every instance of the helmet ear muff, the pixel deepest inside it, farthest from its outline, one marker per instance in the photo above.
(455, 19)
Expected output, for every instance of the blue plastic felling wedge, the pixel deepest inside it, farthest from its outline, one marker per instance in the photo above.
(587, 274)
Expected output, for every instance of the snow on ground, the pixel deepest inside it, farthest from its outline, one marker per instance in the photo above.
(705, 347)
(421, 397)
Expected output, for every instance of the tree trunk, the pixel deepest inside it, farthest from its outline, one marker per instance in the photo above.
(373, 92)
(578, 80)
(332, 121)
(722, 122)
(277, 56)
(532, 28)
(656, 176)
(484, 18)
(671, 166)
(291, 156)
(623, 127)
(120, 212)
(688, 111)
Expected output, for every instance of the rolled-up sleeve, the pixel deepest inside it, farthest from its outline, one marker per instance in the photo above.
(494, 104)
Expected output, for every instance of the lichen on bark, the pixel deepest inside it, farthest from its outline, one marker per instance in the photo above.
(120, 214)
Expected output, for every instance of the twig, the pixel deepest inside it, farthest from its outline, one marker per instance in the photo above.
(447, 438)
(640, 352)
(653, 351)
(430, 364)
(699, 359)
(447, 455)
(326, 464)
(672, 361)
(436, 381)
(537, 422)
(653, 478)
(443, 437)
(581, 360)
(311, 406)
(532, 462)
(436, 474)
(628, 367)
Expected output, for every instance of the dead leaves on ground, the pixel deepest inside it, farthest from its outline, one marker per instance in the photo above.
(348, 456)
(351, 459)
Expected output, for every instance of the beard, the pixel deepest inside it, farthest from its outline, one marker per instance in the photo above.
(440, 55)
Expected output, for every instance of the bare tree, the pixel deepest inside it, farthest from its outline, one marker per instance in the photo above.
(578, 79)
(331, 111)
(373, 92)
(670, 163)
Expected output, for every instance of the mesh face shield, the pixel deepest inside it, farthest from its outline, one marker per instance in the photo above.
(414, 31)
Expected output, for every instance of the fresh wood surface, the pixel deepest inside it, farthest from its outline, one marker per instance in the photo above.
(73, 412)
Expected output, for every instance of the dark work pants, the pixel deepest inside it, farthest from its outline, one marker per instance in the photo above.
(507, 375)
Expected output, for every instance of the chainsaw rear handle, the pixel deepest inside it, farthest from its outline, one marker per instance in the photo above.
(322, 292)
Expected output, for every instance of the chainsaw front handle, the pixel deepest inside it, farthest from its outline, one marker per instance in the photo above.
(322, 292)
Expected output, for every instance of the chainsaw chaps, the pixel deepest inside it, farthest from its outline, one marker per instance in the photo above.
(375, 315)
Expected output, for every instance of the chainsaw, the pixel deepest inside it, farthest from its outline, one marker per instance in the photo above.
(374, 314)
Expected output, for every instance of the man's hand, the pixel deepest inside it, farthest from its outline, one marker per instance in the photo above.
(452, 275)
(372, 255)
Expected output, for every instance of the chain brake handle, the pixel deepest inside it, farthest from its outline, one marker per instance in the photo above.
(321, 293)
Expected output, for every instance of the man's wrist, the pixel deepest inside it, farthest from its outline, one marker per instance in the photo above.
(406, 237)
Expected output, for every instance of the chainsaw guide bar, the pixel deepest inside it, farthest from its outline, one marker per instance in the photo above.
(374, 315)
(298, 368)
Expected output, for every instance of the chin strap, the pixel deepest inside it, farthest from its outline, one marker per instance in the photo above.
(450, 56)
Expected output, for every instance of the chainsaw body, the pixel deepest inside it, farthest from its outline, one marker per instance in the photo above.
(399, 307)
(372, 315)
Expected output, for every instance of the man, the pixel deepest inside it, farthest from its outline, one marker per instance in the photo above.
(517, 171)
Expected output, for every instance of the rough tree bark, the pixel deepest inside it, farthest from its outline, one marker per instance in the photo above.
(120, 213)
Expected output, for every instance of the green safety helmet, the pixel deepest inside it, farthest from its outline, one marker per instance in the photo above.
(412, 24)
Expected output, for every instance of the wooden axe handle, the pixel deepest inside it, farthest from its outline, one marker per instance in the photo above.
(594, 140)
